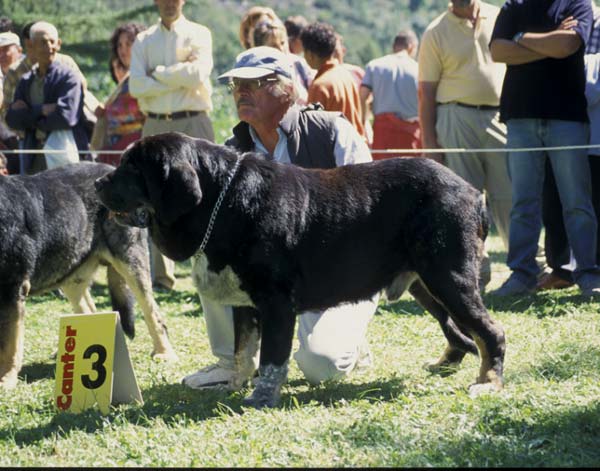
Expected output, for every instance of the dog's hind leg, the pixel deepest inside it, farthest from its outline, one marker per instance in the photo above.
(77, 287)
(12, 332)
(459, 343)
(77, 293)
(136, 273)
(459, 294)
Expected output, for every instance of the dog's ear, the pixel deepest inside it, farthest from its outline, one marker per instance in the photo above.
(175, 193)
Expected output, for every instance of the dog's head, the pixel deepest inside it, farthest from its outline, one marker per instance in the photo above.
(156, 179)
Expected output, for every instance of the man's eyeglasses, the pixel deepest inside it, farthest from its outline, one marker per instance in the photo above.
(251, 84)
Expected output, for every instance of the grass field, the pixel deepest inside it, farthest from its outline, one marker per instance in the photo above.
(395, 414)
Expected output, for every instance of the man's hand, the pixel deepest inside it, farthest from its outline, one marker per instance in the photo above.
(48, 108)
(431, 142)
(100, 111)
(567, 24)
(428, 117)
(19, 105)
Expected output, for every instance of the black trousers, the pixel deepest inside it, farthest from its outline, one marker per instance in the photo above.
(556, 243)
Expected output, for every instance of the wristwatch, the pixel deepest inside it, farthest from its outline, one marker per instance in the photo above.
(517, 37)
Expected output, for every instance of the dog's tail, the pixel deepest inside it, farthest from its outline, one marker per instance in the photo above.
(122, 301)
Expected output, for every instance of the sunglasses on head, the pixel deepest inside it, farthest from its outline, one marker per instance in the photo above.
(251, 84)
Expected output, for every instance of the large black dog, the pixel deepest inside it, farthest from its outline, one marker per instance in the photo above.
(278, 240)
(54, 233)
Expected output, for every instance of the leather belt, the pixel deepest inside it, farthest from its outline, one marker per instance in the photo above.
(477, 107)
(173, 116)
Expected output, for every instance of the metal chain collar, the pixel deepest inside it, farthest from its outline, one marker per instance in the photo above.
(213, 216)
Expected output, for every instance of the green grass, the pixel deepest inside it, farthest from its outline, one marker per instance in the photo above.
(395, 414)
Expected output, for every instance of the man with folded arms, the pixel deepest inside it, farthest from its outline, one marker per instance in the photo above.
(171, 64)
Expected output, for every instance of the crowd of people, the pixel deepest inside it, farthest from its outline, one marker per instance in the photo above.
(482, 79)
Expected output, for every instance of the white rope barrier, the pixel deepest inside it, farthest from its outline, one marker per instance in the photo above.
(456, 150)
(463, 150)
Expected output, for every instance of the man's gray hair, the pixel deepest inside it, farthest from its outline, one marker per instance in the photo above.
(42, 27)
(285, 87)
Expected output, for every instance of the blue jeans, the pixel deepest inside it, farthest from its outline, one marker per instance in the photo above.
(572, 173)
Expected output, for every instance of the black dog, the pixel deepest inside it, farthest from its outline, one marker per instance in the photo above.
(54, 233)
(279, 240)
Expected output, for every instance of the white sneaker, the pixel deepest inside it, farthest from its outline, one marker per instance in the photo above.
(365, 358)
(212, 376)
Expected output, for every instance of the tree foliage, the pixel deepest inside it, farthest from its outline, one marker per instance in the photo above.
(368, 26)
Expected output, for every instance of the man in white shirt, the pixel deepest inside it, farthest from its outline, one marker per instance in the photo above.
(332, 342)
(171, 64)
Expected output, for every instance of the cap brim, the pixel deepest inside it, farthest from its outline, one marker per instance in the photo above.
(246, 73)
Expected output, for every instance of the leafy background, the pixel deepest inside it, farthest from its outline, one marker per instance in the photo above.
(368, 27)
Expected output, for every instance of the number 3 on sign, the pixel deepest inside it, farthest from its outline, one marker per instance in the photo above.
(93, 365)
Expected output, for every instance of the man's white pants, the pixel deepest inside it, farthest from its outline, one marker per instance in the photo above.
(330, 341)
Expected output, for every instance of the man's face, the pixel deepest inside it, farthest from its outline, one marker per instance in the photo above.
(44, 46)
(255, 102)
(9, 55)
(169, 10)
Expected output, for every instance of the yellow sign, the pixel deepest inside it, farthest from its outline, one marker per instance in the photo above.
(93, 364)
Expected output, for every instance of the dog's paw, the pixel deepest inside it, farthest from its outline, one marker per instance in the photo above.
(261, 398)
(238, 382)
(169, 356)
(479, 389)
(442, 368)
(9, 381)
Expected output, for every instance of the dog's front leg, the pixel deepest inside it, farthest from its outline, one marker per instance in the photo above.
(246, 326)
(276, 346)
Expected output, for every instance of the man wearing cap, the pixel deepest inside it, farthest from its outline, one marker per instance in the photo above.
(10, 53)
(171, 64)
(332, 342)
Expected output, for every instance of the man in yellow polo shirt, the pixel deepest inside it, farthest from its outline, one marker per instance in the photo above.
(459, 97)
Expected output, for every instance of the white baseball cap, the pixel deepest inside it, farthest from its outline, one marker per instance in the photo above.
(259, 62)
(8, 38)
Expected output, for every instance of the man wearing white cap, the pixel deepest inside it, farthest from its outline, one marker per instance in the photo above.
(10, 50)
(10, 53)
(332, 342)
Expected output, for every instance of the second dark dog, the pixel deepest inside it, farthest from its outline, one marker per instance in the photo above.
(54, 233)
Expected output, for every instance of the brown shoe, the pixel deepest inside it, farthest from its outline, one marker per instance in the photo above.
(551, 281)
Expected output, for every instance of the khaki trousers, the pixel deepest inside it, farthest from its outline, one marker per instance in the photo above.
(458, 126)
(163, 268)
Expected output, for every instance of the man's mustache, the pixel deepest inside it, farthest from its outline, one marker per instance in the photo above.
(243, 101)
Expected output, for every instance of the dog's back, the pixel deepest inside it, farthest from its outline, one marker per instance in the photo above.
(403, 213)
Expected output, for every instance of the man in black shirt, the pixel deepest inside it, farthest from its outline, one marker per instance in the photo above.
(543, 103)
